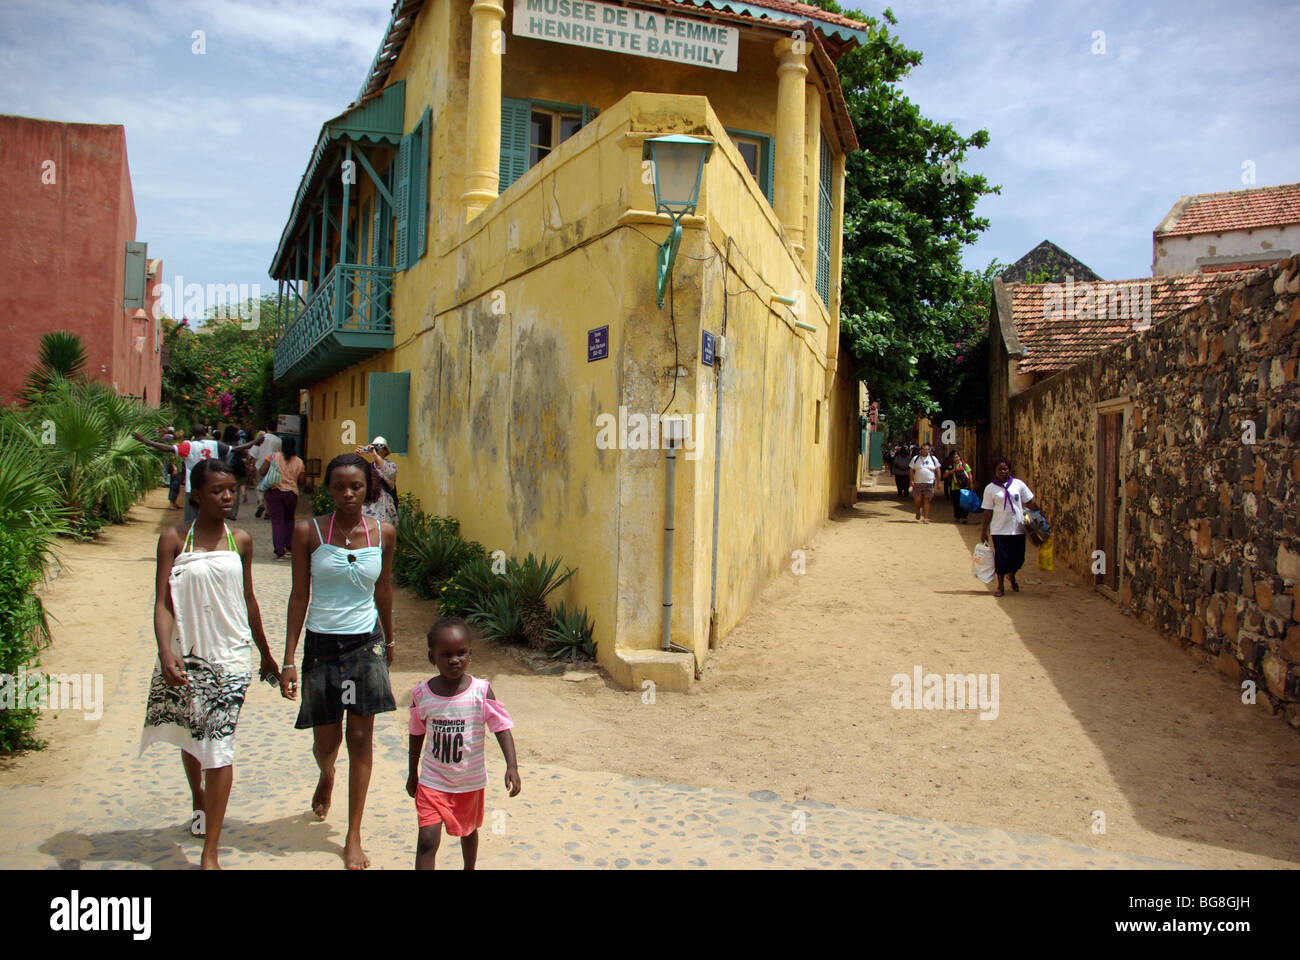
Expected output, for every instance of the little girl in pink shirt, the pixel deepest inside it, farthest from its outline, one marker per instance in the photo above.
(448, 766)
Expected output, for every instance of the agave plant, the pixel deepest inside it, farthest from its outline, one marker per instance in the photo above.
(497, 616)
(570, 635)
(532, 581)
(434, 558)
(477, 578)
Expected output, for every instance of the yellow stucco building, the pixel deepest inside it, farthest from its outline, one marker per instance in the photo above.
(471, 260)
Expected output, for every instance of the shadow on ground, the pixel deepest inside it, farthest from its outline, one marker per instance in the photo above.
(1193, 762)
(172, 848)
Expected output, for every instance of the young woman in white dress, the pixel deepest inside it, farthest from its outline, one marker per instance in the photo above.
(206, 623)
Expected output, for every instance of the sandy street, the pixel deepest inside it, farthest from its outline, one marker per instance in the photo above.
(787, 753)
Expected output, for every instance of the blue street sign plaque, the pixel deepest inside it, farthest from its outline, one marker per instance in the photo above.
(598, 343)
(706, 352)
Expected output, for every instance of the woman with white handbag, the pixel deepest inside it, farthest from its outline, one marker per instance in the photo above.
(1006, 500)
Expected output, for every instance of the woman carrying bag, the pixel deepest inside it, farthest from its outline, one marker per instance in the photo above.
(958, 475)
(282, 476)
(1006, 500)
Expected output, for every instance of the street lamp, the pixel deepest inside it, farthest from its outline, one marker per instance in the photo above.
(678, 167)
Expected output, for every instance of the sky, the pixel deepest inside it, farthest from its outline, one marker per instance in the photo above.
(1100, 114)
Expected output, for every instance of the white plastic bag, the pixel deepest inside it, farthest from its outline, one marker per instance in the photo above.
(983, 562)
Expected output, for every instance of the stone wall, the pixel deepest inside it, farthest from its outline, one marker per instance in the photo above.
(1209, 464)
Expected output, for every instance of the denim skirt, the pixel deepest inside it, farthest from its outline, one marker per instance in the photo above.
(343, 673)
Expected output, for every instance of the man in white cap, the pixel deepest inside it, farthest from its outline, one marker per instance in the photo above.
(384, 509)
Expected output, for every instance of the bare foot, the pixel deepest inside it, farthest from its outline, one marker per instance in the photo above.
(320, 800)
(353, 856)
(206, 864)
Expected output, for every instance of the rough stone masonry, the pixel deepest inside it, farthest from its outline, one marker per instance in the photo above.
(1210, 473)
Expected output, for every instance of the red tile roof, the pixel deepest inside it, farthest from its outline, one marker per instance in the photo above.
(1233, 210)
(797, 11)
(1058, 325)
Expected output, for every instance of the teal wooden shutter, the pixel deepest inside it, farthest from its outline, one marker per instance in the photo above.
(388, 409)
(588, 114)
(769, 169)
(514, 140)
(133, 281)
(403, 197)
(825, 215)
(420, 188)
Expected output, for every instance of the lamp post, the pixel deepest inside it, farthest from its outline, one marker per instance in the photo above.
(678, 167)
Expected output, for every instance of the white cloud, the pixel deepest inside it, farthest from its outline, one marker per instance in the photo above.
(1097, 147)
(288, 26)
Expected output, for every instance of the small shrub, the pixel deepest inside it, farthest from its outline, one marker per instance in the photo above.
(532, 580)
(570, 636)
(23, 631)
(321, 501)
(497, 617)
(434, 558)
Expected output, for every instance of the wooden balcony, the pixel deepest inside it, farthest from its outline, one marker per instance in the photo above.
(348, 318)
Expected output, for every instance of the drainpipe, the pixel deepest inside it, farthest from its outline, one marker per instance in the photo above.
(719, 360)
(670, 505)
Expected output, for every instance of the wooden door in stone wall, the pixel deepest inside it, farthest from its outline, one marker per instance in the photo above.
(1108, 496)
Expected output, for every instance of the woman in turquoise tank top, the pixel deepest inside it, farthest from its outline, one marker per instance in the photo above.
(343, 594)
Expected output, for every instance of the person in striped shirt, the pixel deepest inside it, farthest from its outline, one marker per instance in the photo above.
(448, 765)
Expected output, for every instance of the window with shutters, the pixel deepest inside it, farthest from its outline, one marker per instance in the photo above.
(411, 182)
(134, 276)
(388, 412)
(531, 129)
(825, 221)
(756, 150)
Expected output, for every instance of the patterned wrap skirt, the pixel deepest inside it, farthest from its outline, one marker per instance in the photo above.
(213, 639)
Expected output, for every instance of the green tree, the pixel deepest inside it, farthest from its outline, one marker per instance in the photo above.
(958, 380)
(909, 208)
(229, 357)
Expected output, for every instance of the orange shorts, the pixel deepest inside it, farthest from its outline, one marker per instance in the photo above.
(461, 813)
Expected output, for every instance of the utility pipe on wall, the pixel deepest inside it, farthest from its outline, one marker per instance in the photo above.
(719, 360)
(670, 503)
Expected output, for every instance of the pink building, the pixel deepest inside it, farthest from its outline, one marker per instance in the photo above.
(69, 256)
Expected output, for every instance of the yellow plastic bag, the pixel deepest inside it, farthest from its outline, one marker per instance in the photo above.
(1045, 555)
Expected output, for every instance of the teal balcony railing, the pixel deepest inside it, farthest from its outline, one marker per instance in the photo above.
(347, 319)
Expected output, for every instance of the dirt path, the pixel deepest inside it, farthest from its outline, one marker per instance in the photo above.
(1096, 712)
(791, 720)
